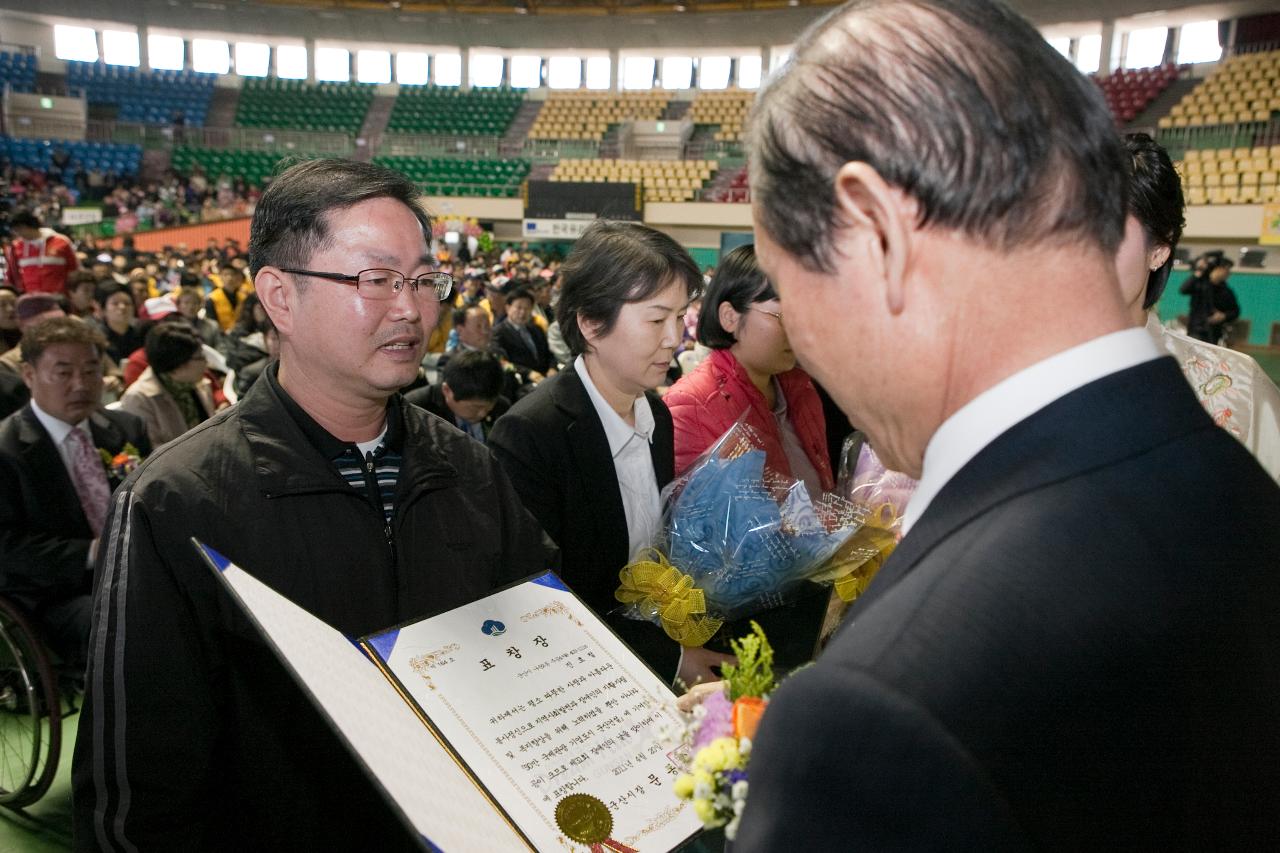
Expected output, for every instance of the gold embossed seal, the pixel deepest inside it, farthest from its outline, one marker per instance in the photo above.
(586, 820)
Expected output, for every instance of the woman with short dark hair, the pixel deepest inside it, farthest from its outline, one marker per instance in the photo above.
(751, 372)
(1233, 388)
(172, 395)
(590, 448)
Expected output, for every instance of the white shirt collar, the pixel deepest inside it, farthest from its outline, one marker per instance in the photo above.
(616, 430)
(987, 416)
(58, 429)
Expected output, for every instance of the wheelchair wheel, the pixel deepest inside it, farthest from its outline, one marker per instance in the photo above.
(30, 713)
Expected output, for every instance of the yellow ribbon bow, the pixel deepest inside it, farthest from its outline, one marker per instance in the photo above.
(656, 587)
(865, 552)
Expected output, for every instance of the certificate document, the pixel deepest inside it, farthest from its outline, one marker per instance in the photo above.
(518, 721)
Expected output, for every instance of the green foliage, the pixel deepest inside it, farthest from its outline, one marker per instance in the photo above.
(484, 242)
(753, 674)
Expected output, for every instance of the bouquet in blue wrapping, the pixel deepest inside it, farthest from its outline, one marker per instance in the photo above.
(737, 538)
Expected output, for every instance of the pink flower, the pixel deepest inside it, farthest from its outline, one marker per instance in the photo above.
(718, 721)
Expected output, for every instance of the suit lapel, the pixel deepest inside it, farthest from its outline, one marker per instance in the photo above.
(52, 483)
(1107, 421)
(663, 448)
(108, 436)
(591, 454)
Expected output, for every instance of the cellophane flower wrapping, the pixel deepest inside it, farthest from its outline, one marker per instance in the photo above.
(746, 535)
(880, 498)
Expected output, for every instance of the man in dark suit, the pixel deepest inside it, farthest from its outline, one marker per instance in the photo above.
(1075, 644)
(469, 394)
(521, 339)
(54, 482)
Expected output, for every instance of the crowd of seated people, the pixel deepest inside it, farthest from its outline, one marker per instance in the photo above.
(129, 202)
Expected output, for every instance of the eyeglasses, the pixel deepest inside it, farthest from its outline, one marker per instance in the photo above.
(379, 284)
(777, 315)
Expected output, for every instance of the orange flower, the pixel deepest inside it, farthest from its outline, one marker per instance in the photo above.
(747, 713)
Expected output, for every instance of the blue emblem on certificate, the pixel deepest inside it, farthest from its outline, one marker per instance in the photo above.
(493, 628)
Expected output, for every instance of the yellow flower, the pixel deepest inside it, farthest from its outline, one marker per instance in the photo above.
(705, 811)
(684, 787)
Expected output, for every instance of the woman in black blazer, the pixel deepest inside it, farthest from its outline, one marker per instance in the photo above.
(590, 448)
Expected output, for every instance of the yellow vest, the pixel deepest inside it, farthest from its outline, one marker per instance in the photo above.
(226, 311)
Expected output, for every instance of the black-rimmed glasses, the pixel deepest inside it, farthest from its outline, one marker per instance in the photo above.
(385, 284)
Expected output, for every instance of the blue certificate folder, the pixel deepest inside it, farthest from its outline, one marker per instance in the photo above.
(480, 723)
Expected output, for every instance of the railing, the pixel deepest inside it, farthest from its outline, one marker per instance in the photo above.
(445, 188)
(438, 145)
(1251, 47)
(240, 138)
(1178, 140)
(710, 149)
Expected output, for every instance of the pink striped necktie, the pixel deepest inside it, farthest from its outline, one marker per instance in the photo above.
(90, 479)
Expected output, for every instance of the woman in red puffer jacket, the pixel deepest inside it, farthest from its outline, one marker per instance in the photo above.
(751, 369)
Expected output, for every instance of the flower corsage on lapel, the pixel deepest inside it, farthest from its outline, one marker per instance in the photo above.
(120, 465)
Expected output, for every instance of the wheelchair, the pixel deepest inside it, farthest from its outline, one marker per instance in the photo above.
(30, 711)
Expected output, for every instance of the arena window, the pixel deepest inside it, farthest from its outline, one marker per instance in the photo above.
(291, 61)
(373, 66)
(78, 43)
(165, 53)
(212, 56)
(120, 48)
(253, 59)
(526, 72)
(411, 68)
(448, 69)
(598, 69)
(1198, 42)
(1089, 54)
(677, 72)
(565, 72)
(1061, 44)
(749, 68)
(1146, 47)
(637, 72)
(713, 72)
(333, 64)
(486, 70)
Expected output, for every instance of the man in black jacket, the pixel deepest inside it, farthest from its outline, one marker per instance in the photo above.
(1213, 302)
(1058, 654)
(322, 483)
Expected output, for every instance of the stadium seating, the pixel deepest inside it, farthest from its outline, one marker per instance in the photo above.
(662, 180)
(1231, 175)
(253, 166)
(1243, 88)
(18, 71)
(462, 177)
(733, 187)
(102, 156)
(298, 105)
(146, 97)
(589, 115)
(448, 110)
(725, 109)
(1130, 91)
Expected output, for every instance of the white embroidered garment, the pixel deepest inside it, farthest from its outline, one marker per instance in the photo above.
(1233, 389)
